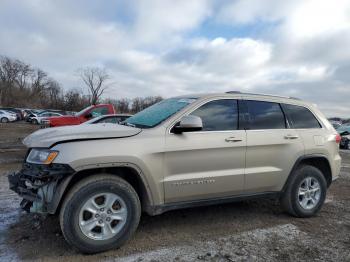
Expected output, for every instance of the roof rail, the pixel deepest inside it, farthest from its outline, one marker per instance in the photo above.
(233, 92)
(247, 93)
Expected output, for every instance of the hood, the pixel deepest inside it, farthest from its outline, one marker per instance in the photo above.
(49, 136)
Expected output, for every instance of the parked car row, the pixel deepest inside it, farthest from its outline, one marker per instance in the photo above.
(84, 115)
(38, 118)
(344, 132)
(102, 113)
(7, 116)
(20, 113)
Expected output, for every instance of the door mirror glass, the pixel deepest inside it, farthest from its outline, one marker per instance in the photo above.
(188, 124)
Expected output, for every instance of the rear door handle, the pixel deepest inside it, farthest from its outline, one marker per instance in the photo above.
(232, 139)
(291, 137)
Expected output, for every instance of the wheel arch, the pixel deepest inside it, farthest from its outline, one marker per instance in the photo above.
(318, 161)
(128, 172)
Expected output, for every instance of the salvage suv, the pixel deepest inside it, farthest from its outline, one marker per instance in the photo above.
(181, 152)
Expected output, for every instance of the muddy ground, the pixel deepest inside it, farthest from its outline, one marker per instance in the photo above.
(246, 231)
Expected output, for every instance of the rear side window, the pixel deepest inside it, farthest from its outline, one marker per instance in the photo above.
(265, 115)
(301, 117)
(218, 115)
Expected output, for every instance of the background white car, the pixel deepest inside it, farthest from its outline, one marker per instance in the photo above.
(113, 118)
(38, 118)
(6, 116)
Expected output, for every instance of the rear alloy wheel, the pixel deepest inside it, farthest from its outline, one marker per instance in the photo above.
(309, 193)
(305, 192)
(4, 120)
(99, 213)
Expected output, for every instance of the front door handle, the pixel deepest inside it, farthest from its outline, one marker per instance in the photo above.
(232, 139)
(291, 137)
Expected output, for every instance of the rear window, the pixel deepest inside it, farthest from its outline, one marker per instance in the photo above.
(265, 115)
(301, 117)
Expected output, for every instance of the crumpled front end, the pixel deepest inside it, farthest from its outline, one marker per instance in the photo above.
(38, 184)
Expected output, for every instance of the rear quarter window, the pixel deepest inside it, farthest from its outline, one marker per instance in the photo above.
(300, 116)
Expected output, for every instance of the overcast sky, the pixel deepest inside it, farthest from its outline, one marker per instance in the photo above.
(172, 47)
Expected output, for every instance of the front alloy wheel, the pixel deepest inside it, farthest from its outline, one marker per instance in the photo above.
(103, 216)
(99, 213)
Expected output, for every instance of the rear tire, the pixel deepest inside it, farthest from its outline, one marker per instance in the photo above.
(4, 120)
(105, 235)
(305, 192)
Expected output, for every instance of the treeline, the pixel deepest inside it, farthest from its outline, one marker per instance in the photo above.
(24, 86)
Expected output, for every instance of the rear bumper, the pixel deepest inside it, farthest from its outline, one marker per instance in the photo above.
(38, 185)
(336, 167)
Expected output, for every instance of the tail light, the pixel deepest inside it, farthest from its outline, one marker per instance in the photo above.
(337, 138)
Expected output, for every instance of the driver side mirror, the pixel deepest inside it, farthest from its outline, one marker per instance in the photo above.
(188, 124)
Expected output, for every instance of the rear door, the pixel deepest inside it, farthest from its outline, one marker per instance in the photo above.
(272, 146)
(309, 128)
(208, 163)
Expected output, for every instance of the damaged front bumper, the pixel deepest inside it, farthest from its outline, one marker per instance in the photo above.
(39, 186)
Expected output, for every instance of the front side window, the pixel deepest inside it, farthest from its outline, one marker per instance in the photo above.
(301, 117)
(157, 113)
(265, 115)
(218, 115)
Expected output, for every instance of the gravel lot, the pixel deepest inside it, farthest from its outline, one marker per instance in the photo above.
(246, 231)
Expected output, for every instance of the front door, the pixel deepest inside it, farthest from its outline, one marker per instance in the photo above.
(208, 163)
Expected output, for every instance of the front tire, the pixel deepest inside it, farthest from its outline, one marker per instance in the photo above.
(4, 120)
(305, 192)
(100, 213)
(35, 122)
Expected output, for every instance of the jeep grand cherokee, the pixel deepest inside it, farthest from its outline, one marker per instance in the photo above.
(182, 152)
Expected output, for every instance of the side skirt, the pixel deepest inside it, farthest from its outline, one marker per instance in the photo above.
(159, 209)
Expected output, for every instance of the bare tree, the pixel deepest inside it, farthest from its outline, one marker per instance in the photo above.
(140, 103)
(95, 80)
(22, 85)
(123, 106)
(74, 101)
(9, 71)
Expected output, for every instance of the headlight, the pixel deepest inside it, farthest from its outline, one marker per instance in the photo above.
(41, 156)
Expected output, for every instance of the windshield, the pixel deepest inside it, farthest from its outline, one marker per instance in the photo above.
(159, 112)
